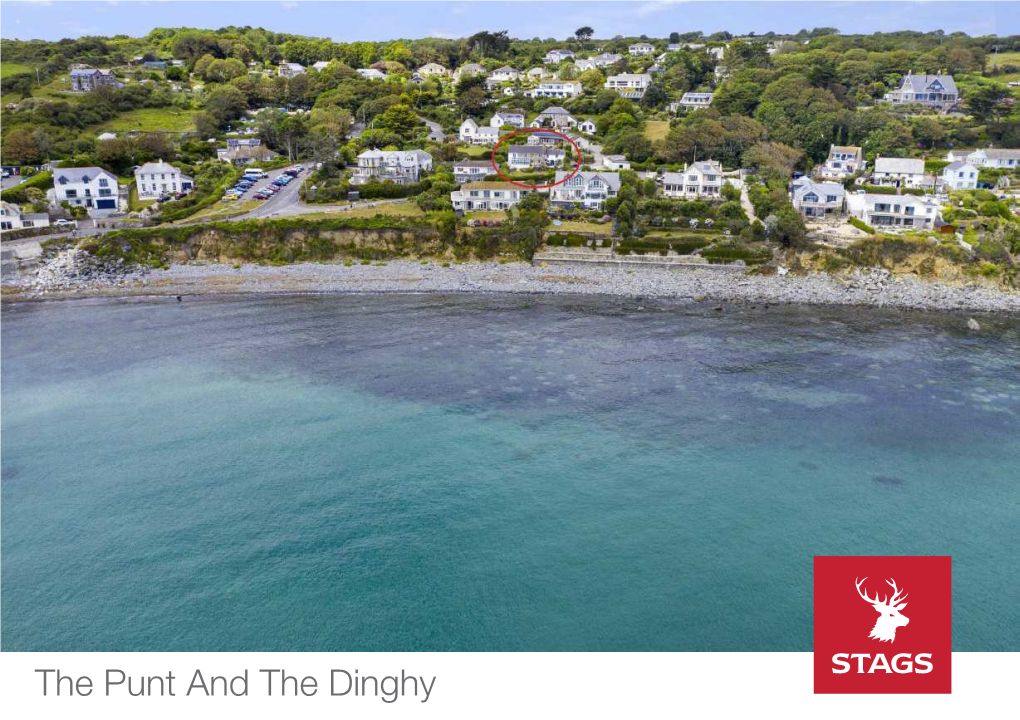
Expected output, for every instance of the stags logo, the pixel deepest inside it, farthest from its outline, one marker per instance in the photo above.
(857, 652)
(889, 617)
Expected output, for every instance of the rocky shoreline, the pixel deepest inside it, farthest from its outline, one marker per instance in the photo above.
(78, 275)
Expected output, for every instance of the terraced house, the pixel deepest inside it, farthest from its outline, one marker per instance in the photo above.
(585, 189)
(486, 196)
(85, 78)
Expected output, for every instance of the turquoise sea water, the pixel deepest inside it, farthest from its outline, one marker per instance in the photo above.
(491, 473)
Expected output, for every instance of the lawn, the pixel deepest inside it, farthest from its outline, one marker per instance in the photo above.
(486, 215)
(8, 69)
(221, 210)
(656, 129)
(151, 120)
(476, 151)
(393, 210)
(582, 226)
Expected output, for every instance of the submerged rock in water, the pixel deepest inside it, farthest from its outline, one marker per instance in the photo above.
(973, 324)
(888, 480)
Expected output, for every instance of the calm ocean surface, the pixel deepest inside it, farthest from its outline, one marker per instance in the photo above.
(491, 473)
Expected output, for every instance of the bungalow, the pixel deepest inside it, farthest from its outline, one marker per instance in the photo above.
(586, 189)
(557, 89)
(467, 170)
(628, 81)
(538, 73)
(587, 126)
(554, 117)
(597, 61)
(159, 178)
(487, 196)
(615, 162)
(507, 117)
(894, 211)
(641, 48)
(554, 57)
(960, 175)
(699, 179)
(818, 199)
(901, 172)
(526, 157)
(90, 187)
(85, 78)
(11, 218)
(290, 69)
(474, 134)
(504, 74)
(693, 101)
(843, 161)
(399, 166)
(998, 158)
(321, 65)
(432, 69)
(937, 91)
(547, 138)
(245, 154)
(371, 74)
(469, 70)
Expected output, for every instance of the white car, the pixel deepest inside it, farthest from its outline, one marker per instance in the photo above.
(63, 222)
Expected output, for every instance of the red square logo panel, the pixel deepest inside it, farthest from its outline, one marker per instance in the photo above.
(883, 624)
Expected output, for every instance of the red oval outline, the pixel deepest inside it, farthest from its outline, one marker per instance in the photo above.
(525, 131)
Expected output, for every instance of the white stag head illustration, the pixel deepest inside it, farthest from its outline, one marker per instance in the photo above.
(889, 617)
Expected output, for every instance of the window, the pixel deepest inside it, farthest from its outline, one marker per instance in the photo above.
(830, 198)
(103, 182)
(71, 193)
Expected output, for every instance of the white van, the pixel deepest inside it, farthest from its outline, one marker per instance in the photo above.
(257, 173)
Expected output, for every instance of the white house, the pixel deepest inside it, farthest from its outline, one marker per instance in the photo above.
(432, 69)
(371, 74)
(999, 158)
(487, 195)
(474, 134)
(628, 81)
(538, 73)
(507, 117)
(156, 179)
(504, 74)
(615, 162)
(587, 126)
(526, 157)
(554, 57)
(692, 101)
(818, 199)
(557, 89)
(699, 179)
(289, 70)
(938, 91)
(843, 161)
(11, 218)
(908, 212)
(399, 166)
(960, 175)
(468, 170)
(321, 65)
(641, 48)
(90, 187)
(586, 189)
(554, 117)
(904, 172)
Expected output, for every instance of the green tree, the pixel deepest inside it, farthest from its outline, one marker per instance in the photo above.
(399, 119)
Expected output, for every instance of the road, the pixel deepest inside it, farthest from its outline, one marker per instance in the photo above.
(9, 182)
(283, 203)
(435, 129)
(745, 202)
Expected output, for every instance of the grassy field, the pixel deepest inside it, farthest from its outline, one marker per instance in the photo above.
(656, 129)
(582, 226)
(8, 69)
(221, 210)
(476, 152)
(490, 215)
(393, 210)
(1010, 58)
(151, 120)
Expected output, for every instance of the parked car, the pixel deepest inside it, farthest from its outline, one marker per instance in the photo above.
(63, 222)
